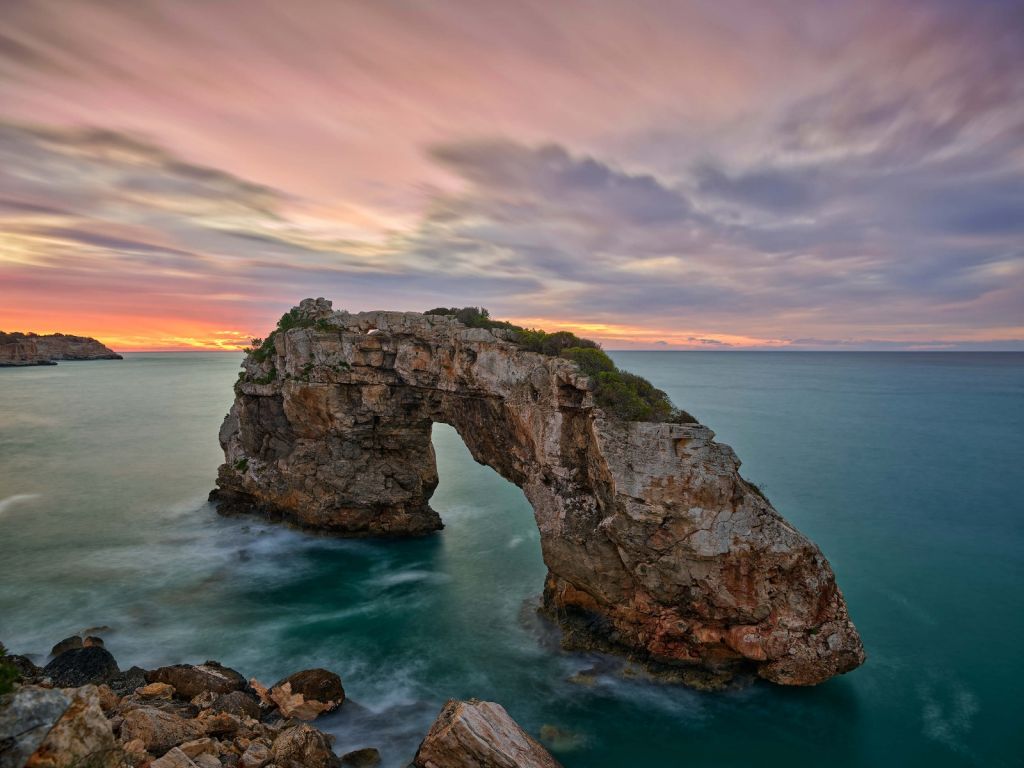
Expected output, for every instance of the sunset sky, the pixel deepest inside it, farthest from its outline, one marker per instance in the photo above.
(805, 175)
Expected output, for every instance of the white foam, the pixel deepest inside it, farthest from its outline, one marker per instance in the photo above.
(18, 498)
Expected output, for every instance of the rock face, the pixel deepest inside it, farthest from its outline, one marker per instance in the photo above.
(18, 349)
(656, 547)
(469, 734)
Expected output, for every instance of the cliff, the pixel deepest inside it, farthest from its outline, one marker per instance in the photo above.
(656, 547)
(31, 349)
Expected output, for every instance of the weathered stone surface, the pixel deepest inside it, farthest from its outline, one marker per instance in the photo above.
(159, 731)
(26, 716)
(124, 683)
(174, 758)
(81, 666)
(237, 703)
(190, 681)
(470, 734)
(303, 747)
(656, 547)
(317, 684)
(18, 348)
(81, 736)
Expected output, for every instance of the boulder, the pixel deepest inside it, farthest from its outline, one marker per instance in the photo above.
(82, 736)
(237, 703)
(189, 681)
(67, 644)
(81, 666)
(92, 640)
(159, 731)
(361, 758)
(256, 755)
(317, 685)
(471, 734)
(303, 747)
(26, 716)
(155, 691)
(174, 758)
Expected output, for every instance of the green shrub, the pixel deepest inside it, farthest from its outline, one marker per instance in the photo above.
(623, 394)
(9, 673)
(242, 464)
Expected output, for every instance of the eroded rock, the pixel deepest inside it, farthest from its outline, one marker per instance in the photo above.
(470, 734)
(81, 736)
(26, 716)
(158, 730)
(656, 547)
(303, 747)
(190, 681)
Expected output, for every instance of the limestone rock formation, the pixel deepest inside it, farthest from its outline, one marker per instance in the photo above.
(469, 734)
(656, 547)
(18, 349)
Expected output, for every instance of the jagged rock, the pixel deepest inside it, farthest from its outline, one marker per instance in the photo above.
(174, 758)
(26, 716)
(81, 666)
(303, 747)
(256, 755)
(81, 735)
(237, 703)
(471, 734)
(159, 730)
(316, 685)
(18, 348)
(67, 644)
(656, 547)
(189, 681)
(361, 758)
(128, 681)
(156, 691)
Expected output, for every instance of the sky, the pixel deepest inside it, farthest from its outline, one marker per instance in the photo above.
(655, 175)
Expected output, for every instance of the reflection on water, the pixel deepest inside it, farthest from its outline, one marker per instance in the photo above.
(104, 468)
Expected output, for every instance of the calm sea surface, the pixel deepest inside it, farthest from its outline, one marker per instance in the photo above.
(907, 470)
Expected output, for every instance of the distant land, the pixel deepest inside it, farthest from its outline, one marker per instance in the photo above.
(19, 349)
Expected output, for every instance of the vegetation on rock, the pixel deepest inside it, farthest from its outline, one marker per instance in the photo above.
(621, 393)
(8, 672)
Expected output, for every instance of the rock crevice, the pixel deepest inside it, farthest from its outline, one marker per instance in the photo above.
(656, 547)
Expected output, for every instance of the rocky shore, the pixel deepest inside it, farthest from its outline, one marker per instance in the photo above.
(19, 349)
(81, 710)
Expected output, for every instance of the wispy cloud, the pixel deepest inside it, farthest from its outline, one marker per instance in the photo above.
(700, 174)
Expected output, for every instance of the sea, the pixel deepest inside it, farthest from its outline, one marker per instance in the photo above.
(907, 469)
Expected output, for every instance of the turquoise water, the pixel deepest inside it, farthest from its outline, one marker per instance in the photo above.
(905, 468)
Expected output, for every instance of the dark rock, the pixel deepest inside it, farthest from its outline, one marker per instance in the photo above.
(361, 758)
(26, 716)
(189, 681)
(67, 644)
(237, 703)
(25, 666)
(92, 640)
(81, 666)
(318, 685)
(124, 683)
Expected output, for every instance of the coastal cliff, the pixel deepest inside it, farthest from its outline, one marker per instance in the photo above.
(656, 547)
(18, 349)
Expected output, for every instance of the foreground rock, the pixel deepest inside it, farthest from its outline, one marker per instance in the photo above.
(18, 349)
(471, 734)
(26, 716)
(656, 547)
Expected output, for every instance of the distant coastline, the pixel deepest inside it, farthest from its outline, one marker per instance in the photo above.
(18, 349)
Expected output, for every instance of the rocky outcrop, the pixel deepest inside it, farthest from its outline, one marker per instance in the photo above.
(469, 734)
(656, 547)
(17, 349)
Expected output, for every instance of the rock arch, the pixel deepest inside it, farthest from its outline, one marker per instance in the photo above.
(655, 546)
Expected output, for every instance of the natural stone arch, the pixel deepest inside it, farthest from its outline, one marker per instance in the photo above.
(655, 546)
